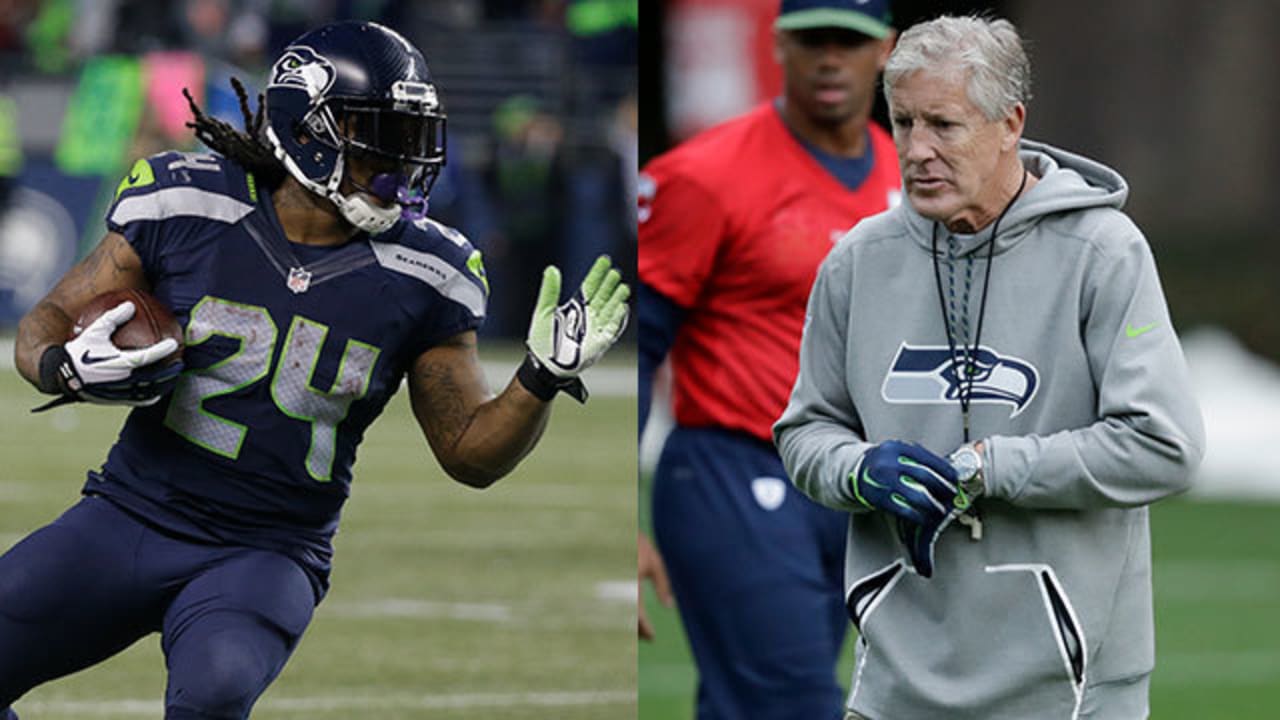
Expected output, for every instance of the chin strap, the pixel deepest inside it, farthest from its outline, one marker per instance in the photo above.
(356, 208)
(363, 214)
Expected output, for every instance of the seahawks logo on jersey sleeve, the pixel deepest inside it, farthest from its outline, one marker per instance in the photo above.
(931, 375)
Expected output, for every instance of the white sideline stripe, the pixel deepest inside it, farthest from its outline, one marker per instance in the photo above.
(617, 591)
(153, 708)
(602, 380)
(409, 608)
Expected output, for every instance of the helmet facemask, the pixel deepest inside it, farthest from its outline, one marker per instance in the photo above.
(398, 149)
(401, 153)
(397, 146)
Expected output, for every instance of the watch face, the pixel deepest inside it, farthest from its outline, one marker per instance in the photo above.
(967, 462)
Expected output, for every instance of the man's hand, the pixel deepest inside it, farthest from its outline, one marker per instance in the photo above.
(565, 339)
(91, 368)
(918, 488)
(651, 567)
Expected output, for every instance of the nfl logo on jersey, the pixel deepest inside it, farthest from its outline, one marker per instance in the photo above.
(299, 280)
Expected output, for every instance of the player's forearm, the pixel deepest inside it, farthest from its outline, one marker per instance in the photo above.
(45, 325)
(112, 265)
(497, 437)
(478, 438)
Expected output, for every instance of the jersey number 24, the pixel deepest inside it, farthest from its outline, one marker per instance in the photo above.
(291, 388)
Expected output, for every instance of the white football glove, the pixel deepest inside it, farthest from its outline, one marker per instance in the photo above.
(90, 367)
(565, 339)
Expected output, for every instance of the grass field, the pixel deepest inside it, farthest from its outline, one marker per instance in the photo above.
(515, 602)
(1217, 590)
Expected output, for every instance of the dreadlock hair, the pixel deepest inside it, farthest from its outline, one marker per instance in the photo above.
(246, 148)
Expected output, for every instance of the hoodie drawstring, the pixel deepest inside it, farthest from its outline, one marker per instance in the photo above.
(968, 354)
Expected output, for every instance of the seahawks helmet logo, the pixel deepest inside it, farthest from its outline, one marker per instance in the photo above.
(302, 68)
(931, 375)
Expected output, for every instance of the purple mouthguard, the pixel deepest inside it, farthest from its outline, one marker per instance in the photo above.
(413, 204)
(386, 186)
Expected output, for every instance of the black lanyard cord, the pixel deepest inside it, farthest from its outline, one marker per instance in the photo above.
(970, 355)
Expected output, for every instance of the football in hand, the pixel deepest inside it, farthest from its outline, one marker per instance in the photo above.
(151, 321)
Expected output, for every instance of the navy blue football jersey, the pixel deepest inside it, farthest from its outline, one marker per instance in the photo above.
(291, 352)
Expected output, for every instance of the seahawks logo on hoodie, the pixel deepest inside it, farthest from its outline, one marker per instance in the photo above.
(929, 375)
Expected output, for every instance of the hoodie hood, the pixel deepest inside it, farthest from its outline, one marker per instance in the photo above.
(1067, 182)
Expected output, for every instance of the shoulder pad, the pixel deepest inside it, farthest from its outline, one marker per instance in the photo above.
(174, 184)
(439, 256)
(433, 232)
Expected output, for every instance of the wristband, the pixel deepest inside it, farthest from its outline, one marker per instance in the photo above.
(57, 374)
(543, 384)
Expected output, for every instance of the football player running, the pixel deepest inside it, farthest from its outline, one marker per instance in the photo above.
(310, 282)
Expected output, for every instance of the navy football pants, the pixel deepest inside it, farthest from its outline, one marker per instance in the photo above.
(87, 586)
(757, 570)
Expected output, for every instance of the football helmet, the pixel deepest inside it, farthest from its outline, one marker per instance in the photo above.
(358, 91)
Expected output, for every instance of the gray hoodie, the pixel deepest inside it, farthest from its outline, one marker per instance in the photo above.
(1087, 416)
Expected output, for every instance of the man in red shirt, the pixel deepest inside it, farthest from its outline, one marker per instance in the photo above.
(733, 225)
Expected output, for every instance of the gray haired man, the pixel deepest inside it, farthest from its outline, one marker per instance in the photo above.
(993, 357)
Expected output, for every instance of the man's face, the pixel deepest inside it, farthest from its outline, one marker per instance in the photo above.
(950, 154)
(377, 176)
(830, 73)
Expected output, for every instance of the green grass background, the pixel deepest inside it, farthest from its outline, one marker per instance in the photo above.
(1217, 593)
(491, 602)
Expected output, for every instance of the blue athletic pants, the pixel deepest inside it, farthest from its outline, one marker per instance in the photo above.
(85, 587)
(757, 570)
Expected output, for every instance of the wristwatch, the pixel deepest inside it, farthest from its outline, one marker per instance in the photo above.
(968, 464)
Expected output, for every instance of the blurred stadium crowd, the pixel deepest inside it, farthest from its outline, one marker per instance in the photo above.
(540, 95)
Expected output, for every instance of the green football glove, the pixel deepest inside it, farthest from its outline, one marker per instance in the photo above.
(568, 338)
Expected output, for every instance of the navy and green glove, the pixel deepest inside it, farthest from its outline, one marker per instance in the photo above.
(566, 338)
(920, 489)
